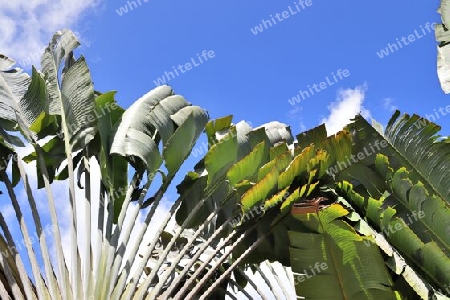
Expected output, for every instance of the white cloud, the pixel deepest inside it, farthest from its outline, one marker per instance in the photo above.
(349, 102)
(26, 26)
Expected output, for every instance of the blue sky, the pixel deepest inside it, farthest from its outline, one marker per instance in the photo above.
(251, 76)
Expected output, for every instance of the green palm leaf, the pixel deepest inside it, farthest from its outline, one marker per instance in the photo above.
(333, 262)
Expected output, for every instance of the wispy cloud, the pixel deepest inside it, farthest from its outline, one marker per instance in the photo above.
(349, 102)
(388, 104)
(296, 118)
(294, 113)
(27, 26)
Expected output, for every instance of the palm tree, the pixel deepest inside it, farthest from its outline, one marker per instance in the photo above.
(361, 212)
(72, 128)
